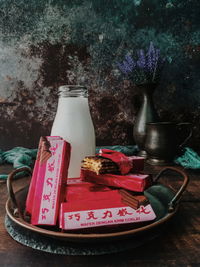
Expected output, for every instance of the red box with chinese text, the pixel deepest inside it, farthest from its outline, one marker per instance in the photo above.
(90, 205)
(102, 212)
(31, 192)
(49, 183)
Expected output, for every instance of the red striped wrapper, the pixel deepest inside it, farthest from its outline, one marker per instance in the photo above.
(132, 182)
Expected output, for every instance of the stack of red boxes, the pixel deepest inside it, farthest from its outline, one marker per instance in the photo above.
(91, 200)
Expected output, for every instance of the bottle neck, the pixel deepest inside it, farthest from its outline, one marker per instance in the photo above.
(74, 91)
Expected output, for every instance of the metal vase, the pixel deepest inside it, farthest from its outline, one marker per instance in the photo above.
(147, 113)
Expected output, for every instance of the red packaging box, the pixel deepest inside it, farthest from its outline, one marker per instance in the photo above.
(48, 187)
(85, 190)
(31, 192)
(91, 205)
(132, 182)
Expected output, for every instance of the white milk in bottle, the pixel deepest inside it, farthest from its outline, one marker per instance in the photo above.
(74, 124)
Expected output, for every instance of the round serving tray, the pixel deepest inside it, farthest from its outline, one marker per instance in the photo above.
(164, 201)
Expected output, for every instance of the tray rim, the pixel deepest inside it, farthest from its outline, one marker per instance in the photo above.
(87, 236)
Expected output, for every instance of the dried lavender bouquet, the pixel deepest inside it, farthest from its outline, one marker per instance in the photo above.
(145, 68)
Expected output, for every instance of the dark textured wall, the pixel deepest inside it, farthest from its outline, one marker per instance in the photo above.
(44, 44)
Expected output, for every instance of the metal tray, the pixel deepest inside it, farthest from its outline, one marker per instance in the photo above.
(164, 201)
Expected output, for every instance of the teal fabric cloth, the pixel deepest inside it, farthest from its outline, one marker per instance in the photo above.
(18, 157)
(189, 159)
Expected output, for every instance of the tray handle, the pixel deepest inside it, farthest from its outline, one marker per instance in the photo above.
(10, 188)
(178, 195)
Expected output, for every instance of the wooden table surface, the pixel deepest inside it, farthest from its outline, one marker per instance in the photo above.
(178, 245)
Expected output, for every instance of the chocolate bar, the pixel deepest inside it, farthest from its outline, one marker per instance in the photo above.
(131, 204)
(110, 161)
(99, 165)
(45, 153)
(133, 200)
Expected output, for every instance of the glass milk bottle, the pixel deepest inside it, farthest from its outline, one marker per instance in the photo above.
(74, 124)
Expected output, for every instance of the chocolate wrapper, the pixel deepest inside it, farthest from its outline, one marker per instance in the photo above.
(124, 163)
(132, 182)
(48, 187)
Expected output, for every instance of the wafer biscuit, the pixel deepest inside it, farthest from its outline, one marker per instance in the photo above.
(133, 200)
(45, 153)
(130, 204)
(99, 165)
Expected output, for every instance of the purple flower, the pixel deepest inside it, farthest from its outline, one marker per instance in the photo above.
(151, 57)
(141, 63)
(157, 56)
(151, 48)
(130, 61)
(123, 68)
(127, 65)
